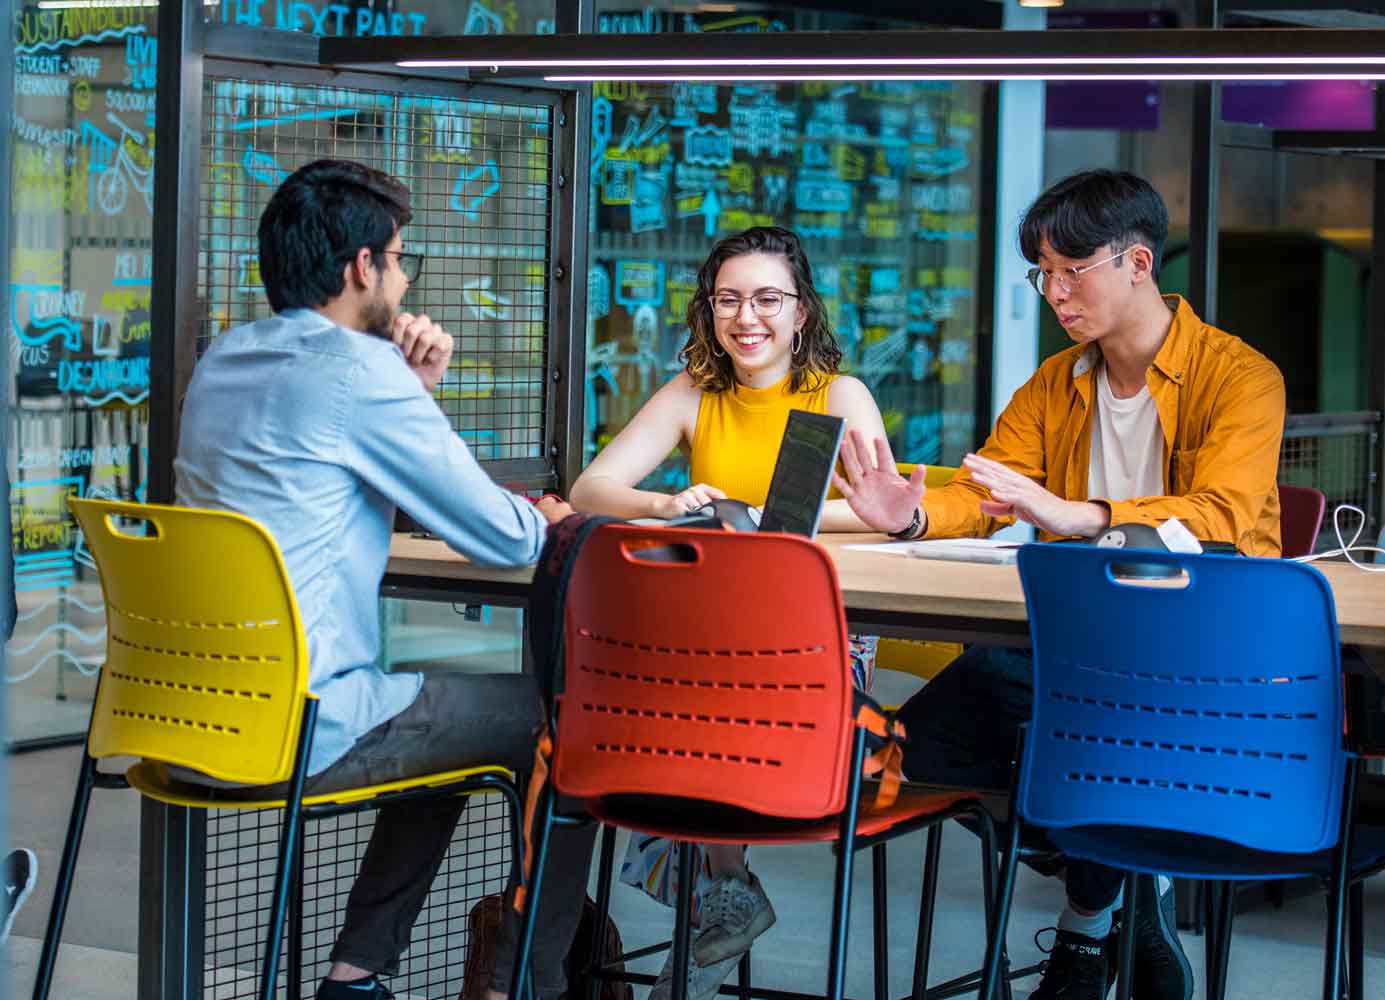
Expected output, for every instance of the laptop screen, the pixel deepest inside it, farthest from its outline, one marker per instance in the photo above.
(802, 473)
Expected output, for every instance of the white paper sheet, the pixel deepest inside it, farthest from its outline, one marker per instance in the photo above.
(982, 550)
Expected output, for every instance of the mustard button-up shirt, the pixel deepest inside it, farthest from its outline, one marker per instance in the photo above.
(1221, 408)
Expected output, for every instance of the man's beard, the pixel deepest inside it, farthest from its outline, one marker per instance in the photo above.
(377, 318)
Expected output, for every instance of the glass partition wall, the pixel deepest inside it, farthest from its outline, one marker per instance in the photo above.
(77, 334)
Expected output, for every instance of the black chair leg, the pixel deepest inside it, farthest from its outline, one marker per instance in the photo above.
(1356, 942)
(544, 825)
(682, 922)
(67, 868)
(743, 976)
(995, 932)
(923, 948)
(846, 856)
(603, 908)
(1210, 893)
(288, 848)
(880, 899)
(1126, 954)
(1226, 913)
(295, 969)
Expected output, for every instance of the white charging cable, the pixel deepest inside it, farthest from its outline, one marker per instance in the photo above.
(1345, 548)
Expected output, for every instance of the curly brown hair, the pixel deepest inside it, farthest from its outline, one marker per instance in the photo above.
(818, 354)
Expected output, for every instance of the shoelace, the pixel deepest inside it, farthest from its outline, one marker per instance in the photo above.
(733, 900)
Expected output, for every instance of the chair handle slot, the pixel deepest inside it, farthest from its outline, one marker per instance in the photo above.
(659, 552)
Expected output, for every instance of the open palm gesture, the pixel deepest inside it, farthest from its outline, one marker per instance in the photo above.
(875, 490)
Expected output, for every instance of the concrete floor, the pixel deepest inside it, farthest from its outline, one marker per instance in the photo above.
(1276, 953)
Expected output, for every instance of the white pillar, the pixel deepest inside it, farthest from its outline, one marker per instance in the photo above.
(1019, 180)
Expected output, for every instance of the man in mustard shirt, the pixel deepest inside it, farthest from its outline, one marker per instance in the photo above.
(1152, 414)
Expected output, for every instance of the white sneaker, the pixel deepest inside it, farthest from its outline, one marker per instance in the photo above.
(734, 913)
(703, 980)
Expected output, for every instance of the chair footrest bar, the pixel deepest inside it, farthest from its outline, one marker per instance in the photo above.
(969, 982)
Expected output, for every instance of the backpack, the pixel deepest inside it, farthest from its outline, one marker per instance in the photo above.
(483, 925)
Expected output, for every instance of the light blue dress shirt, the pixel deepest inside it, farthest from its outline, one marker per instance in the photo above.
(318, 432)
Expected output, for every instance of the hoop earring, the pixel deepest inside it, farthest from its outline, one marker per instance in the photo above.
(715, 352)
(797, 341)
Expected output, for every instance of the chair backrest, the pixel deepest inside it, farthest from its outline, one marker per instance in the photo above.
(724, 678)
(1300, 517)
(1213, 708)
(937, 475)
(206, 663)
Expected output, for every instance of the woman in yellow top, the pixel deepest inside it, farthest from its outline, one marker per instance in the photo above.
(759, 345)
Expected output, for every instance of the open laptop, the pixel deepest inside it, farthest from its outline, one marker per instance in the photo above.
(797, 490)
(802, 473)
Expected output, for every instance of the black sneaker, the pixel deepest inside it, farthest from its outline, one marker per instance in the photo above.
(21, 872)
(369, 988)
(1162, 970)
(1076, 969)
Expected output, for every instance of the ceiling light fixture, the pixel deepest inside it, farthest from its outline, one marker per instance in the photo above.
(1099, 55)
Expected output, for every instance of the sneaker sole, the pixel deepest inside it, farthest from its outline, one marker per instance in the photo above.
(735, 944)
(1169, 935)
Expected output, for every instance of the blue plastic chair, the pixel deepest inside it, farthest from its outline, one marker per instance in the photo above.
(1189, 727)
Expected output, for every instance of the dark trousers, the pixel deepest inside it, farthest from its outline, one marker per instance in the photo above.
(457, 720)
(963, 728)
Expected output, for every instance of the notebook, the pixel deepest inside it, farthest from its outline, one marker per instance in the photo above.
(802, 473)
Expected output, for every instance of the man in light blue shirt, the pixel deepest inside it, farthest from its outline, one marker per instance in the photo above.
(318, 422)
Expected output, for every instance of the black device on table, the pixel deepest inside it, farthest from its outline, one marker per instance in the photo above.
(797, 489)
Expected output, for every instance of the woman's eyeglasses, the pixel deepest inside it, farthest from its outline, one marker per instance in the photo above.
(765, 303)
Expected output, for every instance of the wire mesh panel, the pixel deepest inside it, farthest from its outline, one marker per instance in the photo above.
(1335, 453)
(479, 171)
(242, 847)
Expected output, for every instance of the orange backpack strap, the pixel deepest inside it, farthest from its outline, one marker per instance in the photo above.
(888, 760)
(543, 752)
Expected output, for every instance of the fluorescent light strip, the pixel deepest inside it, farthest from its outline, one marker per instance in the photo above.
(79, 4)
(904, 61)
(959, 77)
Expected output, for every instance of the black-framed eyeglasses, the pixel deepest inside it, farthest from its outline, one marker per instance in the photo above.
(1069, 279)
(410, 263)
(765, 302)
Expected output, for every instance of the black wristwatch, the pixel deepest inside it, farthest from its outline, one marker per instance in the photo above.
(907, 533)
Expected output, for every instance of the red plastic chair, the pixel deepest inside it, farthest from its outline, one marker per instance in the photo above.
(709, 699)
(1300, 516)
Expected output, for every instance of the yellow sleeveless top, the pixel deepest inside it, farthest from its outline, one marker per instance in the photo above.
(738, 433)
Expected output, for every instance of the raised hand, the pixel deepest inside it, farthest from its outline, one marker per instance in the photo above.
(427, 347)
(874, 489)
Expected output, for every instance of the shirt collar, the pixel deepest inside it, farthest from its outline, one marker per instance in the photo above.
(1172, 359)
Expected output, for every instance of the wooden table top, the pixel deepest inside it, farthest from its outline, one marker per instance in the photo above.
(923, 597)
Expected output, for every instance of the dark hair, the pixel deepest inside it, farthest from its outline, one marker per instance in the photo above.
(1084, 212)
(817, 354)
(317, 220)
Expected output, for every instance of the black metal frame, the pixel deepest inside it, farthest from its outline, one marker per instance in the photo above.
(1345, 935)
(987, 252)
(170, 832)
(1205, 186)
(846, 845)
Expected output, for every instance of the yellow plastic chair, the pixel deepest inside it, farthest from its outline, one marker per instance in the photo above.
(922, 658)
(207, 668)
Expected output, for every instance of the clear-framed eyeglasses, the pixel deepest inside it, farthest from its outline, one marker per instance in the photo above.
(1069, 279)
(765, 302)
